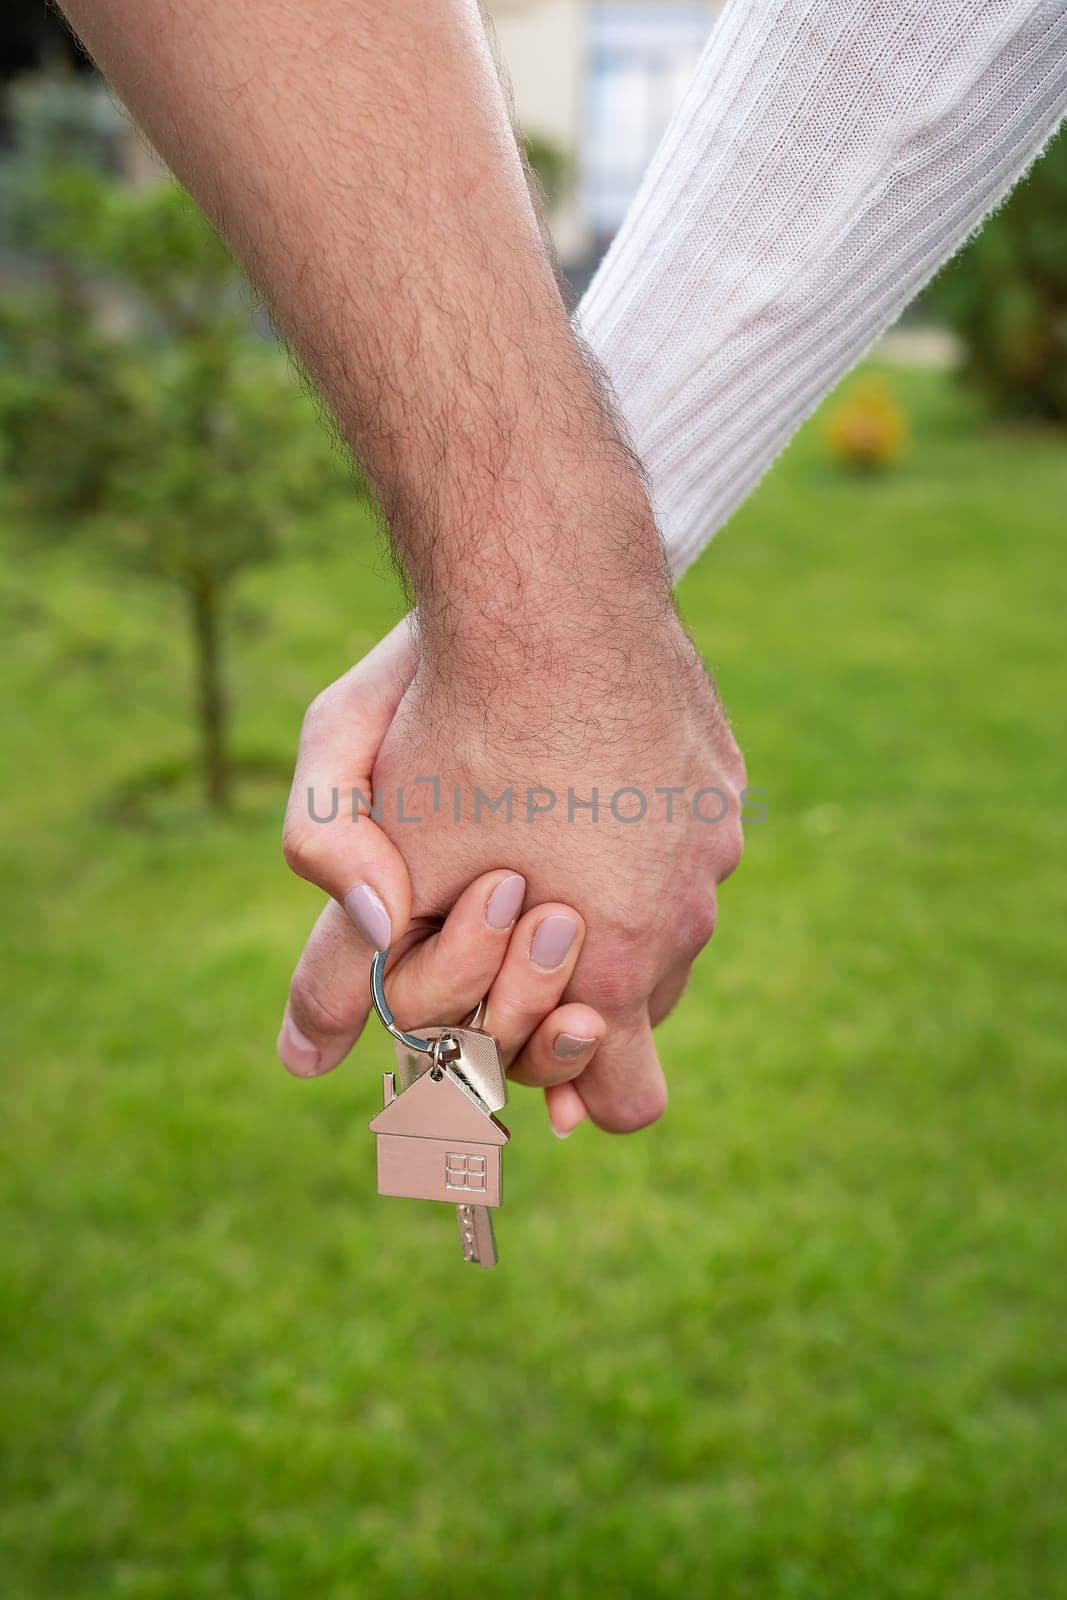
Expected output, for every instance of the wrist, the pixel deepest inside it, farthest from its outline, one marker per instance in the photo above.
(562, 671)
(540, 578)
(538, 622)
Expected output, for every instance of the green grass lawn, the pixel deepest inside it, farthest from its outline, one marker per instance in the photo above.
(803, 1340)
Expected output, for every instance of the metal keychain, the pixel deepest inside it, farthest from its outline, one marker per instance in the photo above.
(438, 1138)
(434, 1048)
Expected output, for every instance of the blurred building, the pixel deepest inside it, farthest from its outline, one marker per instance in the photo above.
(599, 79)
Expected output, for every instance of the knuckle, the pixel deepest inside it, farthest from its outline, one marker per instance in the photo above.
(320, 1012)
(735, 765)
(512, 1014)
(302, 848)
(622, 973)
(640, 1109)
(515, 1023)
(731, 849)
(697, 921)
(318, 713)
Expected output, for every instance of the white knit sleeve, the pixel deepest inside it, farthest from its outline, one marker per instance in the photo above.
(829, 156)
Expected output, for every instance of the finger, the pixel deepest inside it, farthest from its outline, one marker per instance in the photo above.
(565, 1107)
(329, 838)
(329, 997)
(561, 1048)
(445, 976)
(439, 975)
(667, 993)
(623, 1087)
(536, 969)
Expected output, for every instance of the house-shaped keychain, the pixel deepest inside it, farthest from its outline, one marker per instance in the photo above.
(438, 1141)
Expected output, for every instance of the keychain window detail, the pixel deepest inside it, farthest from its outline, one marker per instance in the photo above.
(464, 1172)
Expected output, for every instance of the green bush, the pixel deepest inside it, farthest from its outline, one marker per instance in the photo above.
(1006, 296)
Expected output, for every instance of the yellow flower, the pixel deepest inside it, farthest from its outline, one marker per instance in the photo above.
(867, 430)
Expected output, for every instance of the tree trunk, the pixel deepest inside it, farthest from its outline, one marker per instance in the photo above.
(210, 698)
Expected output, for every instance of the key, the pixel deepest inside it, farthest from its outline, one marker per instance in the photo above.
(480, 1064)
(476, 1235)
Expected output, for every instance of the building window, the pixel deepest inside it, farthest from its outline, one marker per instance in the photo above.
(464, 1172)
(640, 61)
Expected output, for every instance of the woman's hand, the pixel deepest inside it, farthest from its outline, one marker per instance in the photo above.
(519, 963)
(487, 946)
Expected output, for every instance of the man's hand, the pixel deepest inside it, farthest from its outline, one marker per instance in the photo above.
(637, 714)
(595, 709)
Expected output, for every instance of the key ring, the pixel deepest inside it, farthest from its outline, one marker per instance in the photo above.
(411, 1041)
(385, 1016)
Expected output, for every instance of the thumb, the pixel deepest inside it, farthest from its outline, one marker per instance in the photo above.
(329, 837)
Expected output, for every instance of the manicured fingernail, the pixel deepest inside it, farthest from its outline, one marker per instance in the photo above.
(368, 912)
(296, 1049)
(552, 941)
(569, 1045)
(505, 902)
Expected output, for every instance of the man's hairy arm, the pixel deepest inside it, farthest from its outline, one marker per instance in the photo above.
(358, 158)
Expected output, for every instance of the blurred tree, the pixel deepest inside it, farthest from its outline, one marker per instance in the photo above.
(137, 410)
(1006, 295)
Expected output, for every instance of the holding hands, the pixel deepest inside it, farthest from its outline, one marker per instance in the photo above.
(620, 907)
(360, 162)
